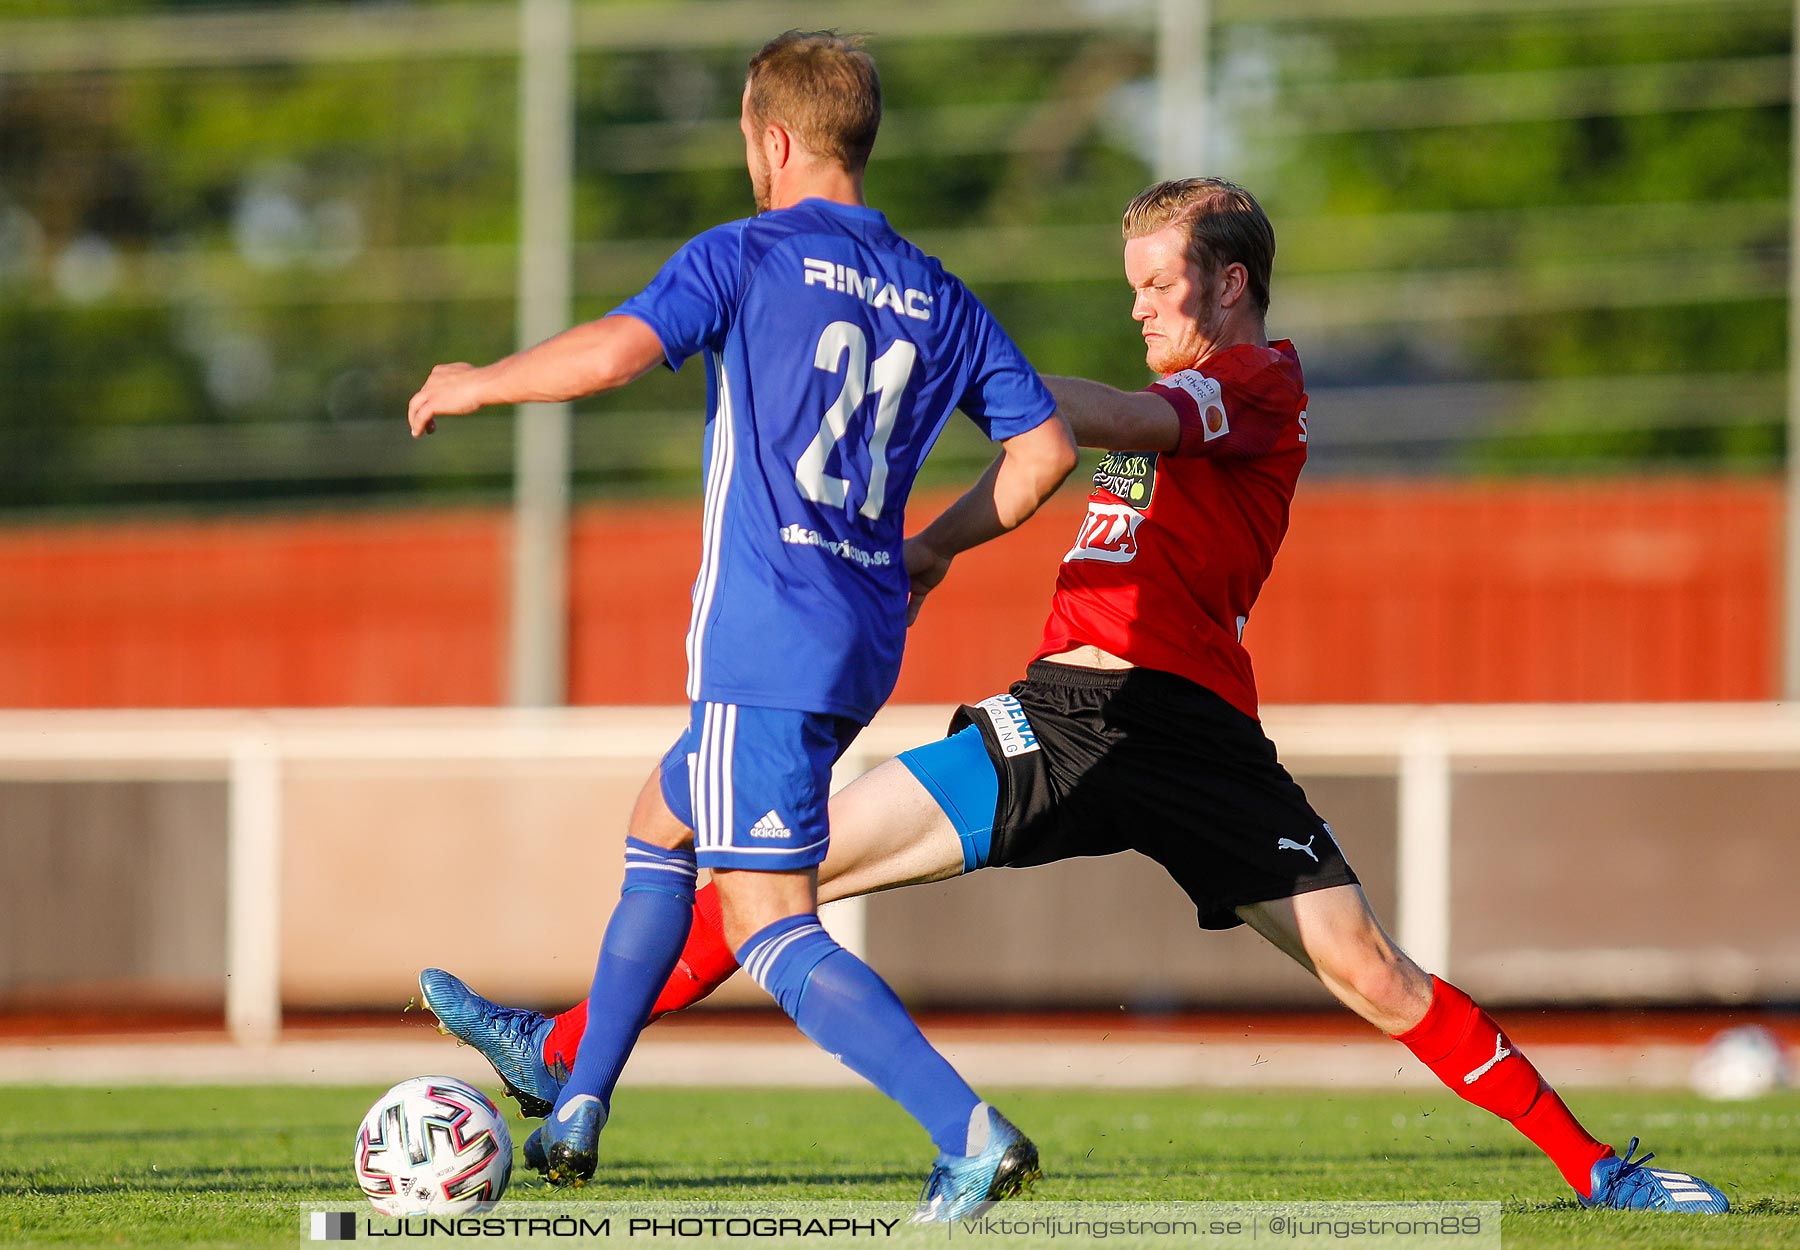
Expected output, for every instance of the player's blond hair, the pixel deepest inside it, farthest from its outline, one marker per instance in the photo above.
(1225, 225)
(822, 88)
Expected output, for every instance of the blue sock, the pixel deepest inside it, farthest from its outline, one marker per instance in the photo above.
(643, 941)
(839, 1002)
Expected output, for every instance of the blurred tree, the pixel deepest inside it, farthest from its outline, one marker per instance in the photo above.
(1695, 190)
(219, 284)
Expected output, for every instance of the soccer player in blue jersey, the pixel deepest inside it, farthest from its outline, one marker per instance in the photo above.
(835, 351)
(1135, 729)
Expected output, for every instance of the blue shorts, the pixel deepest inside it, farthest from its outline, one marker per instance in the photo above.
(960, 776)
(753, 784)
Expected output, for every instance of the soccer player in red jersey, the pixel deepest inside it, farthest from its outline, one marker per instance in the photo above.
(1135, 727)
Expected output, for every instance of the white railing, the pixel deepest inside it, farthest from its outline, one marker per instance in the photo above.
(1422, 748)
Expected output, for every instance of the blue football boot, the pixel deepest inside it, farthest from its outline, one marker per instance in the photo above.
(565, 1150)
(1000, 1163)
(535, 1158)
(1627, 1185)
(510, 1039)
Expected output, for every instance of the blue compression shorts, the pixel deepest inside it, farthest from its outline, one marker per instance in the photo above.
(960, 775)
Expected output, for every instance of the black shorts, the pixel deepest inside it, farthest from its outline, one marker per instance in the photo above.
(1141, 760)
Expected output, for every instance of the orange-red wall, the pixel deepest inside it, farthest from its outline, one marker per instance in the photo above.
(1391, 592)
(1586, 591)
(404, 608)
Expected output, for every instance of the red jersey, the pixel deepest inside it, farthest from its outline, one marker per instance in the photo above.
(1174, 548)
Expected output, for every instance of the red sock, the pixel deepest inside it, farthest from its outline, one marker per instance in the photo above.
(1467, 1051)
(706, 963)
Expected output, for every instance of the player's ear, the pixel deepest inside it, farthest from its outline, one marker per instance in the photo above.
(1234, 285)
(778, 146)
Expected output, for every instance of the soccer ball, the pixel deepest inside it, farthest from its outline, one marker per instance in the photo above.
(433, 1145)
(1744, 1062)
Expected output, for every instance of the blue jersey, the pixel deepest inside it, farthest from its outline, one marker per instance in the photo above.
(835, 351)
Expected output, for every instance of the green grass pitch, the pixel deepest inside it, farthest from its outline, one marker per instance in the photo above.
(229, 1166)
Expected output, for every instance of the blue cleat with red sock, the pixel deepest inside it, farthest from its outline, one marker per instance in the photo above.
(1629, 1185)
(510, 1038)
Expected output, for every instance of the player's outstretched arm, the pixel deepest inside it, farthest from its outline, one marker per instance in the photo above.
(595, 356)
(1027, 471)
(1102, 416)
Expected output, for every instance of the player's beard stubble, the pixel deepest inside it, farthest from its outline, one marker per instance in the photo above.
(1183, 341)
(759, 179)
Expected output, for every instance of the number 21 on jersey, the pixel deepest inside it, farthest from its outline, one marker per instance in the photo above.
(844, 348)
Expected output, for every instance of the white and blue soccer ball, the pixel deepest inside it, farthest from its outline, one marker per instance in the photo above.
(433, 1145)
(1745, 1062)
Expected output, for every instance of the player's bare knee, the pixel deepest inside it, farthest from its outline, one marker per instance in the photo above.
(1372, 974)
(1394, 992)
(744, 921)
(737, 926)
(750, 901)
(1385, 985)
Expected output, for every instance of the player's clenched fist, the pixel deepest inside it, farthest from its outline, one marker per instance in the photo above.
(451, 390)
